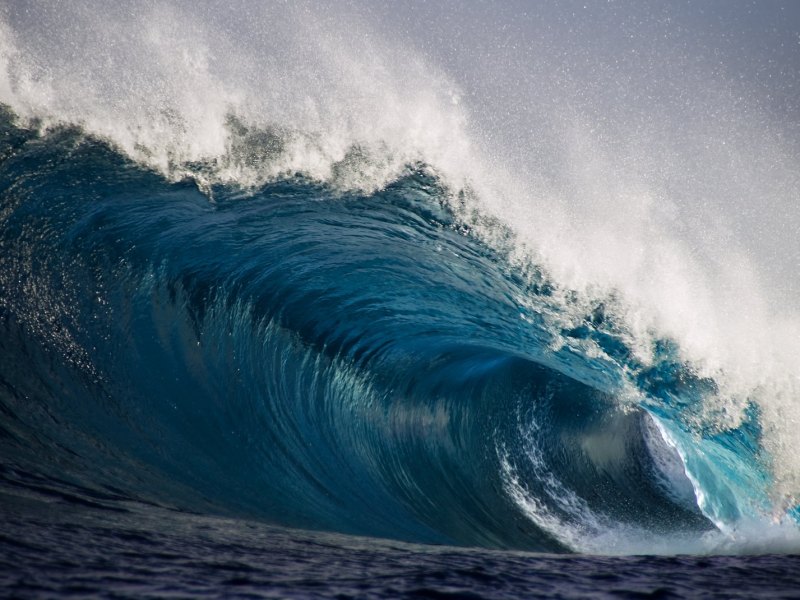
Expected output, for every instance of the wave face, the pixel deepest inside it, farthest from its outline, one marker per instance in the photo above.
(271, 265)
(343, 361)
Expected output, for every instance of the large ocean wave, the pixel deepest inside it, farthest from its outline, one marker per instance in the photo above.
(221, 293)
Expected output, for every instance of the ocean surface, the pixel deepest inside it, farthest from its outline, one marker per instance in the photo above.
(283, 336)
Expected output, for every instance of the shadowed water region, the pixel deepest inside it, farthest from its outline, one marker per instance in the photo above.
(51, 547)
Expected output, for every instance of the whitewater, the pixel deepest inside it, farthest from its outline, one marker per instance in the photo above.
(390, 286)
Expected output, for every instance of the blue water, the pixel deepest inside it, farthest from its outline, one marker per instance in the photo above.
(204, 387)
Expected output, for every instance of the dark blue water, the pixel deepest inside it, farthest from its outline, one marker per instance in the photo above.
(54, 548)
(206, 390)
